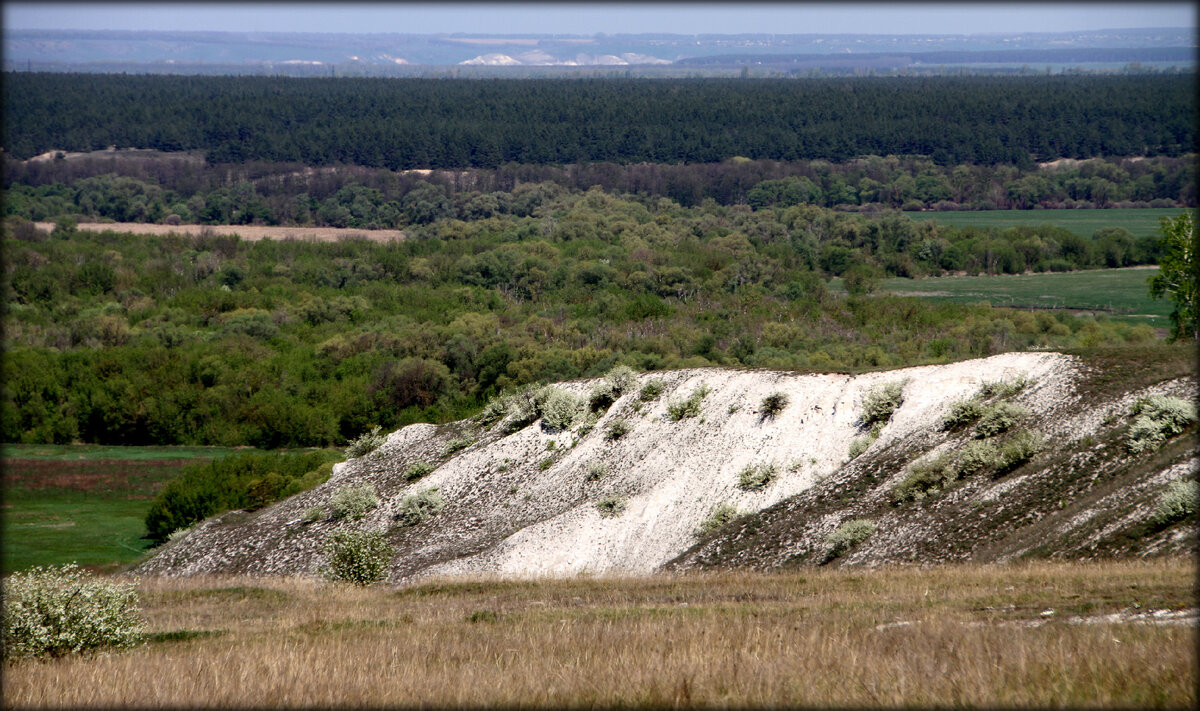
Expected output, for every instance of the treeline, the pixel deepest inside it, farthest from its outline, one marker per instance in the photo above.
(123, 339)
(182, 190)
(426, 123)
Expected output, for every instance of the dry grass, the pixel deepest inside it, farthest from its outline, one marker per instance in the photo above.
(824, 638)
(249, 233)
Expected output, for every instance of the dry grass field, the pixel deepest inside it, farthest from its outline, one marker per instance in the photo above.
(1043, 634)
(249, 233)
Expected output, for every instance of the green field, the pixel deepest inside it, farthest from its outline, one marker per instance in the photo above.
(84, 503)
(1119, 293)
(1085, 223)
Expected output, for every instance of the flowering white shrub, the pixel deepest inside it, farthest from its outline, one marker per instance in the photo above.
(359, 557)
(59, 610)
(353, 501)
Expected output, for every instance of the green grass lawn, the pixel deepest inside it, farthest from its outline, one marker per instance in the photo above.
(1085, 223)
(1119, 293)
(84, 503)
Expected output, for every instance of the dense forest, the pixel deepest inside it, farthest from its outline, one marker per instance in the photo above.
(116, 338)
(427, 123)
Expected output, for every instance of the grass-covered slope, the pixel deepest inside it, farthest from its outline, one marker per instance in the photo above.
(1021, 454)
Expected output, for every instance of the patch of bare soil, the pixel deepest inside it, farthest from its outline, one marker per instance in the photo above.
(249, 233)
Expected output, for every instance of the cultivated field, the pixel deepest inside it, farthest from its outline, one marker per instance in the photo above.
(1120, 293)
(84, 503)
(250, 233)
(1102, 634)
(1138, 221)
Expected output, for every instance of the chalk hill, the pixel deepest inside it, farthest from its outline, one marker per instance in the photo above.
(1038, 464)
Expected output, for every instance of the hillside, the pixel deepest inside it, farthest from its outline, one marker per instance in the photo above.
(523, 500)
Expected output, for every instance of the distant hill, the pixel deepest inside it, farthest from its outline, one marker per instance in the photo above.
(385, 54)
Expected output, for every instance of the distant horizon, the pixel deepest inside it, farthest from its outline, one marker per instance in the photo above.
(585, 19)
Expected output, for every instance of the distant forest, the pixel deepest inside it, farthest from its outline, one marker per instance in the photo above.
(426, 123)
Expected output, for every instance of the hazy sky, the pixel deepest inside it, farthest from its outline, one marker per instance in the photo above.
(612, 18)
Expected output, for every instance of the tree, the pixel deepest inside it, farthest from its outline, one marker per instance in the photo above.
(1176, 276)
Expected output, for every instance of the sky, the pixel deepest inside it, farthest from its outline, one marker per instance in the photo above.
(584, 18)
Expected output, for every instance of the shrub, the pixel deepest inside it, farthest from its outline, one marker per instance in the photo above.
(849, 535)
(651, 390)
(687, 408)
(1017, 450)
(353, 501)
(59, 610)
(721, 514)
(493, 411)
(418, 507)
(1155, 419)
(858, 445)
(559, 409)
(772, 405)
(358, 557)
(962, 413)
(881, 401)
(616, 383)
(1001, 389)
(595, 471)
(975, 457)
(1177, 502)
(926, 478)
(458, 444)
(313, 514)
(998, 418)
(617, 429)
(365, 443)
(612, 506)
(546, 464)
(522, 408)
(756, 476)
(416, 470)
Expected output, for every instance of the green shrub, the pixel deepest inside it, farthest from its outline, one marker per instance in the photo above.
(313, 514)
(522, 408)
(849, 535)
(756, 476)
(559, 409)
(975, 457)
(493, 411)
(1155, 419)
(651, 390)
(772, 405)
(458, 444)
(687, 408)
(962, 413)
(620, 380)
(999, 417)
(926, 478)
(353, 501)
(55, 611)
(881, 401)
(595, 471)
(720, 515)
(238, 482)
(365, 443)
(617, 429)
(1000, 389)
(1016, 450)
(416, 470)
(545, 464)
(358, 557)
(858, 445)
(1177, 502)
(612, 506)
(419, 507)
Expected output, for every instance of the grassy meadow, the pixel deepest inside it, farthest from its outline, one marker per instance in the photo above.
(1139, 222)
(954, 635)
(84, 503)
(1120, 293)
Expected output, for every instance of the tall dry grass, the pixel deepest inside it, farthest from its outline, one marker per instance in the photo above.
(947, 635)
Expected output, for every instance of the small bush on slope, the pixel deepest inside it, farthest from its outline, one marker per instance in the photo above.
(1155, 419)
(849, 535)
(358, 557)
(419, 507)
(620, 380)
(756, 476)
(881, 401)
(353, 501)
(366, 443)
(998, 418)
(416, 470)
(612, 506)
(651, 390)
(55, 611)
(721, 514)
(772, 405)
(687, 408)
(1178, 501)
(559, 409)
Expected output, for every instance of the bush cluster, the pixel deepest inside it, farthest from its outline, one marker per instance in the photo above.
(620, 380)
(849, 535)
(617, 429)
(612, 506)
(416, 470)
(651, 390)
(1157, 418)
(458, 444)
(756, 476)
(366, 443)
(353, 501)
(358, 557)
(559, 409)
(720, 515)
(595, 471)
(1178, 501)
(934, 475)
(998, 418)
(772, 405)
(862, 443)
(59, 610)
(689, 407)
(418, 507)
(880, 402)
